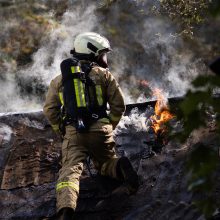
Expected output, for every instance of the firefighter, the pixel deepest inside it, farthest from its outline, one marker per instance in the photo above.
(96, 140)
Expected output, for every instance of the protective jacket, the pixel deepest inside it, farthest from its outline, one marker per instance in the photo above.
(109, 92)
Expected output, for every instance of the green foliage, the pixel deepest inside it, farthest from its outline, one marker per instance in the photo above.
(215, 8)
(203, 160)
(201, 164)
(193, 100)
(206, 162)
(189, 13)
(196, 104)
(186, 13)
(31, 20)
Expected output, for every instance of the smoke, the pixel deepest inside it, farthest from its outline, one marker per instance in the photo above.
(23, 91)
(133, 130)
(174, 65)
(149, 49)
(47, 59)
(169, 64)
(11, 100)
(143, 49)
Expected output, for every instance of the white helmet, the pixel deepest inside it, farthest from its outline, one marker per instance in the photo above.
(91, 43)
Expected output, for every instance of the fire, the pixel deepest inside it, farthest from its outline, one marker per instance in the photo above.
(162, 114)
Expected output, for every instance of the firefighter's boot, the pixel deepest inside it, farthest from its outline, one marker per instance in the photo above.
(127, 174)
(65, 214)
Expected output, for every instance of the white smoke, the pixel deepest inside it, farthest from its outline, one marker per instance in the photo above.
(11, 99)
(134, 132)
(175, 66)
(46, 61)
(165, 62)
(48, 58)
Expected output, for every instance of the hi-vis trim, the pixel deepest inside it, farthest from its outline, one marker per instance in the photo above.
(98, 89)
(80, 95)
(72, 185)
(61, 98)
(75, 69)
(79, 88)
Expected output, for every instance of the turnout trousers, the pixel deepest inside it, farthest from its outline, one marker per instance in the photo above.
(98, 143)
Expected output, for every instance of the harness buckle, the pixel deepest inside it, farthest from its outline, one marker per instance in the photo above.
(95, 116)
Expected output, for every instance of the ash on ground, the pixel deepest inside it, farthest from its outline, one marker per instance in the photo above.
(136, 138)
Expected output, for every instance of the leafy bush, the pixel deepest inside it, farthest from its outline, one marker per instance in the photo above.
(196, 109)
(187, 13)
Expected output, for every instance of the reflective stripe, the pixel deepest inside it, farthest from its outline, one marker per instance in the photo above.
(61, 98)
(76, 86)
(79, 88)
(98, 89)
(55, 127)
(75, 69)
(80, 95)
(72, 185)
(114, 117)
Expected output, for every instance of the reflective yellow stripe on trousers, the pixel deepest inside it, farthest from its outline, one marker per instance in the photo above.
(79, 88)
(72, 185)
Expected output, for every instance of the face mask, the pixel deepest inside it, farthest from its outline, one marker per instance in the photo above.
(102, 60)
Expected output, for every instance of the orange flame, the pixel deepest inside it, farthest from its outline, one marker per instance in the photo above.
(162, 114)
